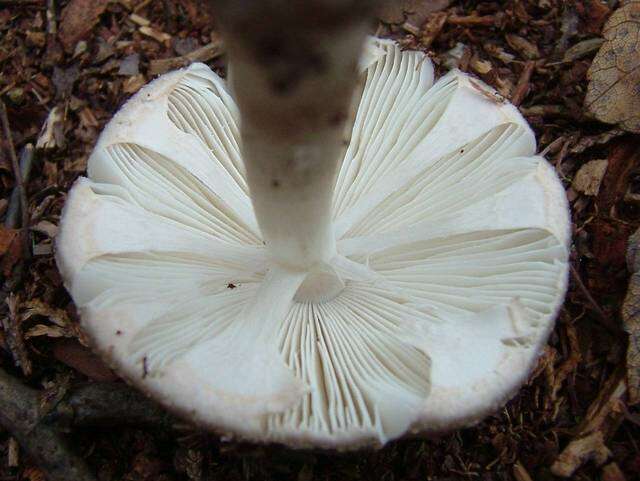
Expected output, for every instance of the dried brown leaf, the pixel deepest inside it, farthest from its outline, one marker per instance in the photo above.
(613, 95)
(78, 19)
(631, 318)
(589, 177)
(59, 317)
(48, 331)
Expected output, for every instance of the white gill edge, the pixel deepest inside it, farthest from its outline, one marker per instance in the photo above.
(95, 224)
(389, 107)
(480, 169)
(467, 115)
(144, 121)
(507, 210)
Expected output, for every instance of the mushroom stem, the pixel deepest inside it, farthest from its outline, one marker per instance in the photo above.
(293, 70)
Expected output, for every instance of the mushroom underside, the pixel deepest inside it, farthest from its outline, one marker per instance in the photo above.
(451, 262)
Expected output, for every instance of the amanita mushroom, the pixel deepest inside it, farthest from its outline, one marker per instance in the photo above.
(416, 295)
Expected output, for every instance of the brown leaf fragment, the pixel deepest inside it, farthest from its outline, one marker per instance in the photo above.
(578, 452)
(78, 19)
(631, 318)
(589, 177)
(41, 330)
(613, 94)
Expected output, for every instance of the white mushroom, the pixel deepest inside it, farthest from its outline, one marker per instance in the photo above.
(421, 306)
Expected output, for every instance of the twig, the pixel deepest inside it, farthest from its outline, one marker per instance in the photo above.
(14, 209)
(602, 317)
(14, 164)
(203, 54)
(106, 404)
(20, 415)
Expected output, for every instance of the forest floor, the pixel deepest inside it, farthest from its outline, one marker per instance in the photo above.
(72, 63)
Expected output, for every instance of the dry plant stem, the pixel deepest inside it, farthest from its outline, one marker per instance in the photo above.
(14, 164)
(19, 414)
(14, 209)
(293, 70)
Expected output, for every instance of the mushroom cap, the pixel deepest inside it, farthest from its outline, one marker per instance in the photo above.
(452, 239)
